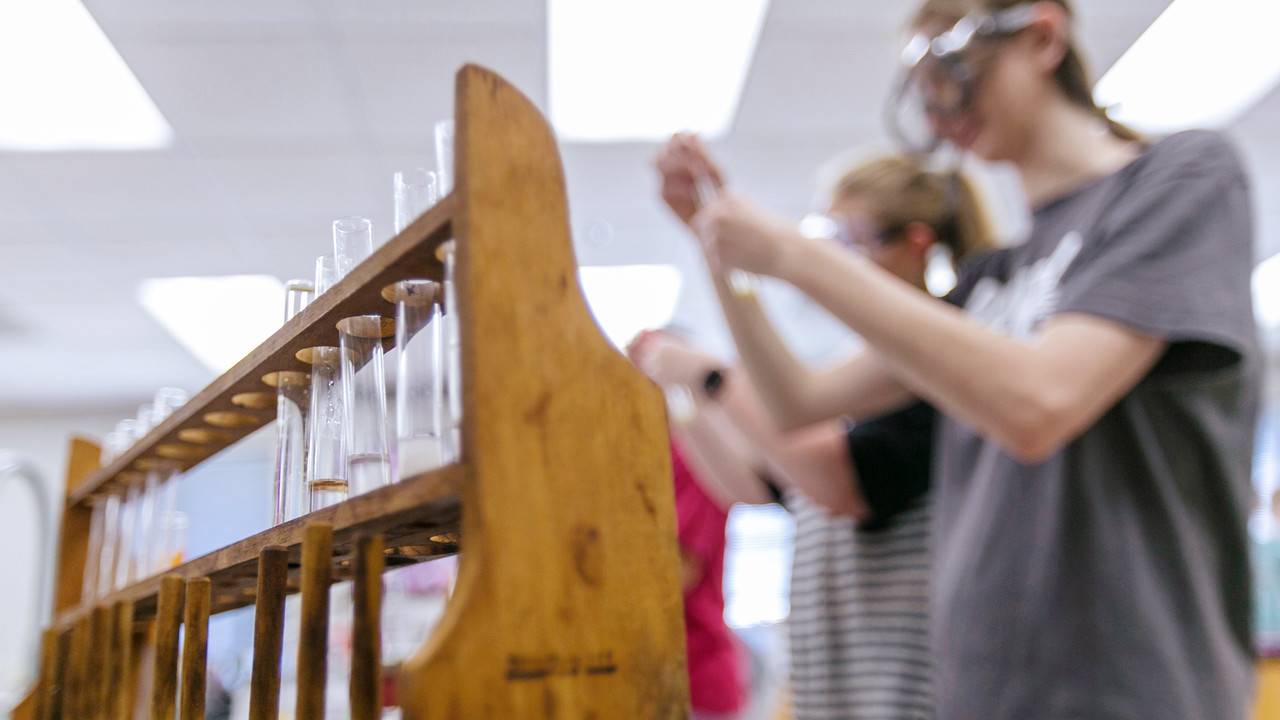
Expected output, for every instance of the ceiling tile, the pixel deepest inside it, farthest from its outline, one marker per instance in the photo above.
(258, 93)
(408, 85)
(131, 19)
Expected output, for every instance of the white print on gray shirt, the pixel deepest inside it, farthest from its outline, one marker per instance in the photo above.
(1030, 296)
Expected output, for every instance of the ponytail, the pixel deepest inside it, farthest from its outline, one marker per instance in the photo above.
(971, 232)
(900, 192)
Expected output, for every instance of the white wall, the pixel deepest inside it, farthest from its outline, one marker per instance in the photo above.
(230, 492)
(42, 440)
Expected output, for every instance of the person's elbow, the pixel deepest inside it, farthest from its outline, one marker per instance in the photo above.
(1043, 424)
(794, 410)
(789, 420)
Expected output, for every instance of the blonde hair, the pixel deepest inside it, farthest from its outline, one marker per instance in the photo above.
(901, 191)
(1072, 76)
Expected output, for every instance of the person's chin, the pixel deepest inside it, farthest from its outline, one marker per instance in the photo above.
(981, 144)
(966, 137)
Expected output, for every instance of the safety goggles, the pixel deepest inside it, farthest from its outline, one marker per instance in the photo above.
(940, 75)
(852, 233)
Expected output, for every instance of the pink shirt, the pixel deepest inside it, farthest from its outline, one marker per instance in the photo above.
(716, 674)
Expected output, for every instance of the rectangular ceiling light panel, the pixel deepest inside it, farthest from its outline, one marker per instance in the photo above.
(65, 87)
(217, 319)
(623, 71)
(1201, 64)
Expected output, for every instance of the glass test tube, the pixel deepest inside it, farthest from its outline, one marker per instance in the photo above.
(352, 242)
(109, 555)
(148, 516)
(326, 456)
(129, 432)
(166, 551)
(167, 400)
(292, 400)
(147, 533)
(448, 254)
(145, 419)
(293, 395)
(415, 191)
(93, 554)
(421, 409)
(175, 539)
(444, 156)
(113, 443)
(364, 386)
(164, 510)
(124, 561)
(326, 275)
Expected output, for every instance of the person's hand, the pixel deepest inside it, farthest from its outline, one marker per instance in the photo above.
(680, 164)
(668, 360)
(736, 234)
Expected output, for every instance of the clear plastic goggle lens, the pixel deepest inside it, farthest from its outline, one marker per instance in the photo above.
(908, 117)
(934, 79)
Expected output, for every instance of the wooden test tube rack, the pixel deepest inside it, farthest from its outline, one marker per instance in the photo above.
(567, 602)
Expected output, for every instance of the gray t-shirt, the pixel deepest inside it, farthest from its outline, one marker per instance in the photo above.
(1111, 582)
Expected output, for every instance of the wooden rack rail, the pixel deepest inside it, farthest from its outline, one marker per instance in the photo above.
(567, 602)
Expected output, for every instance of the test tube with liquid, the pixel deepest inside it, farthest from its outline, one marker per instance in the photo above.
(293, 390)
(364, 385)
(421, 409)
(326, 453)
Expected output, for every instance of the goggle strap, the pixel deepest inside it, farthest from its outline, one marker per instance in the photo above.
(1011, 20)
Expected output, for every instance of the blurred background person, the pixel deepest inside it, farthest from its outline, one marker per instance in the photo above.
(859, 588)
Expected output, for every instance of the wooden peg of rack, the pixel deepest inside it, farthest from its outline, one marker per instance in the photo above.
(313, 633)
(164, 677)
(53, 655)
(100, 659)
(76, 701)
(121, 673)
(268, 634)
(195, 647)
(366, 631)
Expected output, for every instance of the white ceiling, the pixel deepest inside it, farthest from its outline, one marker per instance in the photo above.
(293, 112)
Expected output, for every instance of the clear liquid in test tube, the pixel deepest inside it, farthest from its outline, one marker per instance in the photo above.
(326, 452)
(326, 449)
(421, 408)
(364, 387)
(293, 391)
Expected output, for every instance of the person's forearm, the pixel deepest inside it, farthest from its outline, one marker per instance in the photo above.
(813, 460)
(725, 467)
(795, 395)
(1005, 388)
(781, 380)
